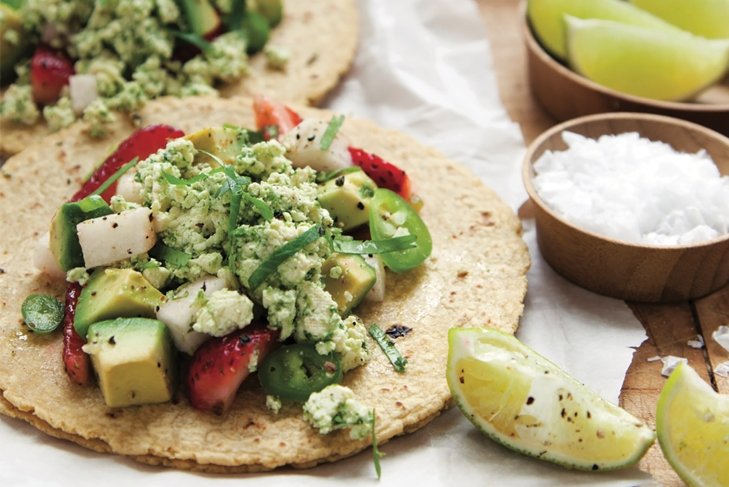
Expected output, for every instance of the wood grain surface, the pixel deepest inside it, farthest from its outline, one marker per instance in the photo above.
(668, 327)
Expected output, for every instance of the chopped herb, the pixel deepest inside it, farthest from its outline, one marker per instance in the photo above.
(261, 207)
(168, 255)
(192, 38)
(376, 454)
(281, 254)
(213, 157)
(393, 354)
(324, 176)
(42, 313)
(365, 247)
(331, 132)
(119, 173)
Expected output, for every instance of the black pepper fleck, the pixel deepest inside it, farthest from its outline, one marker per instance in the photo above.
(398, 331)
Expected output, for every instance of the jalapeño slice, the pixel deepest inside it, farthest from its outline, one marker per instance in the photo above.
(391, 217)
(294, 372)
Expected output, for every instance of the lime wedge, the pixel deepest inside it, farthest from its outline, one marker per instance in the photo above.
(644, 62)
(525, 402)
(547, 18)
(707, 18)
(693, 428)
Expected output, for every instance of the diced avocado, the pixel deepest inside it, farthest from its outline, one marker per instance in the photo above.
(64, 238)
(223, 142)
(115, 293)
(200, 15)
(13, 41)
(272, 10)
(133, 359)
(347, 198)
(348, 279)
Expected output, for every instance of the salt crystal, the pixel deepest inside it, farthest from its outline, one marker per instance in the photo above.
(670, 363)
(721, 336)
(634, 189)
(697, 342)
(654, 358)
(722, 369)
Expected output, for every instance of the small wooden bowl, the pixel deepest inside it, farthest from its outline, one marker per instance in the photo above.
(565, 94)
(617, 268)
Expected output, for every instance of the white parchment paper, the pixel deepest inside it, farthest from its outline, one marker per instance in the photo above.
(424, 67)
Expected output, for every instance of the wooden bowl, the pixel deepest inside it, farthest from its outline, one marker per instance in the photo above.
(622, 269)
(565, 94)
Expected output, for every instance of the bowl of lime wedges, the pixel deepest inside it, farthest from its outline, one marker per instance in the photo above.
(668, 57)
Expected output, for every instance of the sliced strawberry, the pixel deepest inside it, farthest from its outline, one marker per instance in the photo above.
(140, 144)
(385, 174)
(49, 73)
(221, 365)
(273, 118)
(75, 360)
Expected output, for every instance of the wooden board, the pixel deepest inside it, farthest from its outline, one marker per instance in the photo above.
(668, 327)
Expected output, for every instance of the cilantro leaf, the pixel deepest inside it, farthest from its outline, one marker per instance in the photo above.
(393, 354)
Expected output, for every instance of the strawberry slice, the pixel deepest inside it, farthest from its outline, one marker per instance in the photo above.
(141, 144)
(273, 118)
(49, 73)
(221, 365)
(75, 360)
(385, 174)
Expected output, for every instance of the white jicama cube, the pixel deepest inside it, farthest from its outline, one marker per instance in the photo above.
(129, 189)
(376, 294)
(82, 89)
(44, 260)
(179, 312)
(112, 238)
(303, 147)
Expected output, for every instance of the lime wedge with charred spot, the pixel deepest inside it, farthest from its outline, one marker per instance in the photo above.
(693, 428)
(547, 18)
(525, 402)
(644, 62)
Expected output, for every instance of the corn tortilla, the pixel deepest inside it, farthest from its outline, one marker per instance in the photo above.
(321, 38)
(475, 276)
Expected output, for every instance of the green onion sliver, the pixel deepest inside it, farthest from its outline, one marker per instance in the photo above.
(112, 179)
(282, 253)
(325, 176)
(168, 255)
(331, 132)
(365, 247)
(392, 353)
(376, 454)
(261, 207)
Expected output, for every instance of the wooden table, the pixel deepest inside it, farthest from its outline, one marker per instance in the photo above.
(668, 327)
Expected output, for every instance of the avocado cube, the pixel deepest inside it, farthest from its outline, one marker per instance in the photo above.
(133, 359)
(115, 293)
(201, 16)
(347, 198)
(64, 243)
(223, 142)
(348, 278)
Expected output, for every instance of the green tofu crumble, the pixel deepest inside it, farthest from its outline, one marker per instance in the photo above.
(194, 217)
(131, 50)
(336, 407)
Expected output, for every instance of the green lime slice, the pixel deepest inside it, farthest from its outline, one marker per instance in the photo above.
(707, 18)
(525, 402)
(645, 62)
(547, 18)
(692, 421)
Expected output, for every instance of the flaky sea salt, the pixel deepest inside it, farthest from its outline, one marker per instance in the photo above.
(634, 189)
